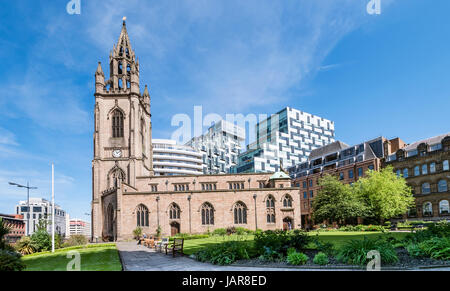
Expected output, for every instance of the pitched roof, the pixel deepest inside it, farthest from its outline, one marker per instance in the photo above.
(429, 141)
(329, 148)
(279, 175)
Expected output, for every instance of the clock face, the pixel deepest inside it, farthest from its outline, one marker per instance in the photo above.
(117, 153)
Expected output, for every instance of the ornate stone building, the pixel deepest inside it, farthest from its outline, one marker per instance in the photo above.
(425, 166)
(127, 194)
(349, 163)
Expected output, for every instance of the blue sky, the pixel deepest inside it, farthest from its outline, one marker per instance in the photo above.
(372, 74)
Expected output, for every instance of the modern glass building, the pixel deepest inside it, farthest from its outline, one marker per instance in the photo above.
(220, 147)
(285, 138)
(171, 159)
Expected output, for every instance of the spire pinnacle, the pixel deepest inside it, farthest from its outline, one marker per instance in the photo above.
(146, 91)
(99, 69)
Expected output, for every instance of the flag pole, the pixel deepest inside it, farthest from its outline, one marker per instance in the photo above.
(53, 209)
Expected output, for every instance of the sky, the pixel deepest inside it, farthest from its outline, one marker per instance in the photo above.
(372, 75)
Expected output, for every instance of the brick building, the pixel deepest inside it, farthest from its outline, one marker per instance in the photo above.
(127, 193)
(349, 163)
(425, 166)
(16, 224)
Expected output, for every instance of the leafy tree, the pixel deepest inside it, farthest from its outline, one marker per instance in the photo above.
(41, 239)
(336, 202)
(25, 246)
(4, 230)
(385, 194)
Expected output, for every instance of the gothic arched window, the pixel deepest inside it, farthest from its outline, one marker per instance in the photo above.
(142, 215)
(117, 123)
(174, 211)
(287, 201)
(240, 213)
(207, 214)
(270, 209)
(115, 176)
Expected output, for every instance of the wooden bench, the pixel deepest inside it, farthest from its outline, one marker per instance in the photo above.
(159, 245)
(175, 247)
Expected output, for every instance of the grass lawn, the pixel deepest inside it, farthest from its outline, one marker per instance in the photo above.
(194, 245)
(101, 258)
(338, 238)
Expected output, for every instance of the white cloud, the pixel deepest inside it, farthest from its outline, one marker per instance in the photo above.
(239, 54)
(7, 137)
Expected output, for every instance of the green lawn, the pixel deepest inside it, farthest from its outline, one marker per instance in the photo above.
(193, 245)
(338, 238)
(101, 258)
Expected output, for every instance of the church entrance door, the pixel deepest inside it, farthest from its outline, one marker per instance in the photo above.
(287, 223)
(174, 228)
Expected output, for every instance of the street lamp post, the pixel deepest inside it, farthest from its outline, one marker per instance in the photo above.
(28, 201)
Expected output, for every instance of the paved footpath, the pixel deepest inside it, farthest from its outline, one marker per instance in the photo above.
(139, 258)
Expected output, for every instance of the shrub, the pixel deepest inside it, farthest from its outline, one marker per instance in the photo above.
(10, 261)
(42, 240)
(279, 241)
(25, 246)
(242, 231)
(436, 248)
(324, 247)
(355, 251)
(296, 259)
(321, 259)
(440, 229)
(231, 230)
(186, 236)
(224, 254)
(4, 230)
(220, 231)
(76, 240)
(137, 232)
(361, 227)
(271, 255)
(414, 250)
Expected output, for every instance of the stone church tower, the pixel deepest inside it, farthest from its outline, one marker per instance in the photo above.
(122, 133)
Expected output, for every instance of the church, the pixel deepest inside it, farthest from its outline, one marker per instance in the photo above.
(125, 192)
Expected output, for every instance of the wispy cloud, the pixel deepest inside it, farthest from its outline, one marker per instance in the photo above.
(7, 137)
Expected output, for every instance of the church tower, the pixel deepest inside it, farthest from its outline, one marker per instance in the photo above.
(122, 133)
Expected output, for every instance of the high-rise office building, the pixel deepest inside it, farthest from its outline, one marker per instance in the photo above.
(285, 138)
(220, 147)
(172, 159)
(38, 209)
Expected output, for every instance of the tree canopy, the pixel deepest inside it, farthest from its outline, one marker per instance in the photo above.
(336, 202)
(378, 196)
(386, 194)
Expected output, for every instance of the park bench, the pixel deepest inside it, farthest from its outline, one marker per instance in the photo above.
(175, 247)
(162, 244)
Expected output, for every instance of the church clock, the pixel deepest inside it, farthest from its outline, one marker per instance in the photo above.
(117, 153)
